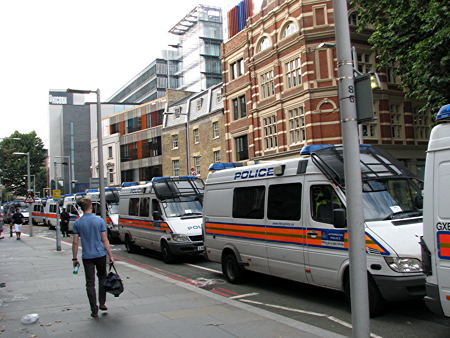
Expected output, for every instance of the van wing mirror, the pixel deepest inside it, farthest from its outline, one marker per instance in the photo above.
(339, 218)
(156, 215)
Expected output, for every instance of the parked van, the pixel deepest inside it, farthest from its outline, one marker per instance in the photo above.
(287, 219)
(70, 203)
(37, 211)
(50, 210)
(436, 225)
(164, 215)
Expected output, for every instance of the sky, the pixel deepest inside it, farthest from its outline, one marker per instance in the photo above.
(83, 44)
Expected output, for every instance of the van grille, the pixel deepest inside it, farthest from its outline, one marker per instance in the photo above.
(196, 238)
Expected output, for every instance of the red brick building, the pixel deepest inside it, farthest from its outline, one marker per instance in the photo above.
(280, 88)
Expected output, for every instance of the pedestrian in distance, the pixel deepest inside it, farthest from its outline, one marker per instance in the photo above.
(91, 229)
(65, 218)
(17, 220)
(1, 225)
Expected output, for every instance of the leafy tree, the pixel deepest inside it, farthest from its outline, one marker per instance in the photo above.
(13, 168)
(413, 35)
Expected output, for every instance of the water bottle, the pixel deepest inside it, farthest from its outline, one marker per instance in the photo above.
(75, 269)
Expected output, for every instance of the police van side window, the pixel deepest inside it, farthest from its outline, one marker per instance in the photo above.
(133, 207)
(248, 202)
(144, 207)
(284, 201)
(323, 200)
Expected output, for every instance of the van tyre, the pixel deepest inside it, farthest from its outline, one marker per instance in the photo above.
(167, 255)
(377, 304)
(131, 248)
(231, 269)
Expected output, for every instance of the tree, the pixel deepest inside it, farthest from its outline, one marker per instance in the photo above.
(14, 168)
(414, 36)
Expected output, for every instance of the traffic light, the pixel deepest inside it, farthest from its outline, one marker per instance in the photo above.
(374, 80)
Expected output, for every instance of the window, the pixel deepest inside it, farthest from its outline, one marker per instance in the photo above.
(392, 76)
(239, 107)
(296, 123)
(241, 146)
(176, 167)
(133, 124)
(396, 121)
(421, 122)
(148, 123)
(174, 141)
(264, 44)
(215, 129)
(290, 29)
(177, 112)
(293, 73)
(196, 136)
(237, 69)
(151, 147)
(133, 207)
(110, 152)
(369, 130)
(111, 175)
(199, 104)
(197, 164)
(323, 201)
(248, 202)
(267, 86)
(270, 132)
(144, 207)
(284, 201)
(114, 128)
(364, 64)
(216, 156)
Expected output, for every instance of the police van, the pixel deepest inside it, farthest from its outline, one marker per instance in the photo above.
(163, 215)
(51, 211)
(70, 203)
(37, 215)
(436, 225)
(287, 219)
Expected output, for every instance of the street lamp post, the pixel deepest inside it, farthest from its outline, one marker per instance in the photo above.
(99, 147)
(70, 171)
(28, 179)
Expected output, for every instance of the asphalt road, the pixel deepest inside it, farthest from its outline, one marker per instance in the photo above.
(313, 305)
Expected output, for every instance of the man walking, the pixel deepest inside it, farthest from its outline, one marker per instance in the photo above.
(65, 218)
(92, 231)
(17, 220)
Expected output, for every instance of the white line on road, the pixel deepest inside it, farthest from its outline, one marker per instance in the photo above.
(53, 239)
(322, 315)
(203, 268)
(245, 295)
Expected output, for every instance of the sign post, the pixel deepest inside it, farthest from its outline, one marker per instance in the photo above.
(56, 193)
(29, 200)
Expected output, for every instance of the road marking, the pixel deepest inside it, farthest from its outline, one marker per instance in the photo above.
(53, 239)
(245, 295)
(317, 314)
(203, 268)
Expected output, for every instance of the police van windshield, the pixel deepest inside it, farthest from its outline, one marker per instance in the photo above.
(385, 199)
(182, 206)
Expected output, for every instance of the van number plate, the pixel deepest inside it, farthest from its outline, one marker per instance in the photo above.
(201, 248)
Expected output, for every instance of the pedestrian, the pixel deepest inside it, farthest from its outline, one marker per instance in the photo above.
(1, 225)
(17, 220)
(65, 218)
(91, 229)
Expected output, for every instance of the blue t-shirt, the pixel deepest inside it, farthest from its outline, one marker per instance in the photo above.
(89, 227)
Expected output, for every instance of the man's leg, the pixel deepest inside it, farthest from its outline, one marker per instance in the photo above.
(89, 272)
(18, 234)
(11, 230)
(100, 264)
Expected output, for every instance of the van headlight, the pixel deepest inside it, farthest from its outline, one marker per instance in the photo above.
(180, 238)
(399, 264)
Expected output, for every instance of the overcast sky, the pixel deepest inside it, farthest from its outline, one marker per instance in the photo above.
(84, 44)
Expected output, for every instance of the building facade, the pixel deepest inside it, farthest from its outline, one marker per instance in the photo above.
(280, 88)
(193, 134)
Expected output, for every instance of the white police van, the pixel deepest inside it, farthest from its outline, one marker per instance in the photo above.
(287, 219)
(164, 215)
(436, 225)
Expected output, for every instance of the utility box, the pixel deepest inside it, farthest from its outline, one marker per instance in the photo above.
(364, 98)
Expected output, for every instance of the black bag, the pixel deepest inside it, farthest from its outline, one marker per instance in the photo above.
(113, 284)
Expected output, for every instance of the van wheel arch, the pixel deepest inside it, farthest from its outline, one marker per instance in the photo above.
(231, 266)
(167, 255)
(129, 245)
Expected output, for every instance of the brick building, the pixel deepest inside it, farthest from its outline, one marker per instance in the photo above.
(280, 88)
(205, 134)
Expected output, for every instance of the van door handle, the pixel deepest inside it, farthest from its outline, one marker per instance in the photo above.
(312, 234)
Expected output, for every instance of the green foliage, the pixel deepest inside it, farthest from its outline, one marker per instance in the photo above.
(13, 168)
(413, 35)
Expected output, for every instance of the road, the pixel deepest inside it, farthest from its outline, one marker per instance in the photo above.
(313, 305)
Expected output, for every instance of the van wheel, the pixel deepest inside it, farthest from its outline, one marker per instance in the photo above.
(167, 255)
(131, 248)
(377, 304)
(231, 269)
(33, 222)
(111, 238)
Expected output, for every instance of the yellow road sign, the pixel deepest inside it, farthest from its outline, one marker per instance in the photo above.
(56, 193)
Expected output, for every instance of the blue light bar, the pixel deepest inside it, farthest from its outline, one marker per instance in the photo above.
(165, 178)
(129, 184)
(310, 148)
(110, 189)
(225, 165)
(66, 195)
(80, 193)
(443, 113)
(91, 190)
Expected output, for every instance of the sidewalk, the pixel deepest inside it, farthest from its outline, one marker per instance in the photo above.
(40, 280)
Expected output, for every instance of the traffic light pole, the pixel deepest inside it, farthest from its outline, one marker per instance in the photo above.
(352, 169)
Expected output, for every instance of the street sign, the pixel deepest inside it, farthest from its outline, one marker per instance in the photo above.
(29, 199)
(56, 193)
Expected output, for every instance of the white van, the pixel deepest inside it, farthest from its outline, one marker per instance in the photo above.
(70, 203)
(436, 225)
(37, 214)
(164, 215)
(50, 210)
(287, 219)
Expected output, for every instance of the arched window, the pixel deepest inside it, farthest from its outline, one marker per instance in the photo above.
(264, 44)
(290, 29)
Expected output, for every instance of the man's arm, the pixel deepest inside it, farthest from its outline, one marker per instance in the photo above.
(75, 239)
(105, 242)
